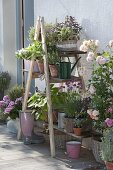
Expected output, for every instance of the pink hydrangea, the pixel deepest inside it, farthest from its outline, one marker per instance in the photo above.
(1, 103)
(110, 110)
(109, 122)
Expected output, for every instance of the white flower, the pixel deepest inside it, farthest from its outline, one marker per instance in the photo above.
(81, 71)
(96, 118)
(95, 113)
(91, 54)
(92, 89)
(85, 43)
(97, 43)
(89, 111)
(101, 60)
(111, 43)
(83, 48)
(90, 57)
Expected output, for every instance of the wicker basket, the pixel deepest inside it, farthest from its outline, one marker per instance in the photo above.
(60, 139)
(67, 45)
(96, 150)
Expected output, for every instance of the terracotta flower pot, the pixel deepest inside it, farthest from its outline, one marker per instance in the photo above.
(77, 131)
(109, 165)
(53, 70)
(40, 66)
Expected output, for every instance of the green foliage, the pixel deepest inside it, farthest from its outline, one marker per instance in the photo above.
(33, 51)
(31, 33)
(38, 102)
(102, 81)
(15, 92)
(4, 80)
(107, 145)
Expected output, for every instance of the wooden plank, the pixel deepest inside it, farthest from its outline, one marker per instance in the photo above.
(37, 29)
(71, 134)
(49, 103)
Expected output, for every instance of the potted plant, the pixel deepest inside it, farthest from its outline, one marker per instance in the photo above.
(38, 104)
(68, 30)
(11, 105)
(33, 51)
(78, 124)
(107, 148)
(4, 82)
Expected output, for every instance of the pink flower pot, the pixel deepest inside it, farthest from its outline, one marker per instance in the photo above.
(73, 149)
(27, 66)
(27, 123)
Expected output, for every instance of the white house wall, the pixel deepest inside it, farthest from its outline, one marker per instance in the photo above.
(1, 36)
(8, 38)
(95, 16)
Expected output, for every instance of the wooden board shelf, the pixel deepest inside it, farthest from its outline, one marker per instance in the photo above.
(58, 80)
(71, 134)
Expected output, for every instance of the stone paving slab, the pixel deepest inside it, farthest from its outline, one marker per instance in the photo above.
(14, 155)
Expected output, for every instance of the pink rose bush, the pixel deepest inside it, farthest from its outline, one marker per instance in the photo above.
(11, 108)
(100, 85)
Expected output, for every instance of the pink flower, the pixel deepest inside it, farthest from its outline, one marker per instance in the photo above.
(6, 98)
(101, 60)
(110, 110)
(1, 103)
(90, 56)
(109, 122)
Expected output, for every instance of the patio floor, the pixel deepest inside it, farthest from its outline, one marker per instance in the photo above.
(14, 155)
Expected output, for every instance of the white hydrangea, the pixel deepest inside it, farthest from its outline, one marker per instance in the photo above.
(111, 43)
(83, 48)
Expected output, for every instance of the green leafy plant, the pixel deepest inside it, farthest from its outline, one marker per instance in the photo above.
(68, 30)
(33, 51)
(79, 122)
(15, 92)
(38, 102)
(4, 80)
(31, 33)
(107, 145)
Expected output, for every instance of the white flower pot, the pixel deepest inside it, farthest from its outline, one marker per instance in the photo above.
(13, 125)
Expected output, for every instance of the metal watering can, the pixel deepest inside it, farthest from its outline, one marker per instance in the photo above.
(65, 69)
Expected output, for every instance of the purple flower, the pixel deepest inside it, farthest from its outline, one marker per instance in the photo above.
(18, 100)
(110, 110)
(9, 109)
(1, 103)
(12, 103)
(6, 98)
(109, 122)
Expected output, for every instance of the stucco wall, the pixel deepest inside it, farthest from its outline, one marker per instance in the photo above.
(95, 16)
(8, 38)
(1, 37)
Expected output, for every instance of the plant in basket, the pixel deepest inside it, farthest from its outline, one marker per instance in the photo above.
(107, 147)
(72, 104)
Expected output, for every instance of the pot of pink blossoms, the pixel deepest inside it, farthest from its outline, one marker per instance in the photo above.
(11, 108)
